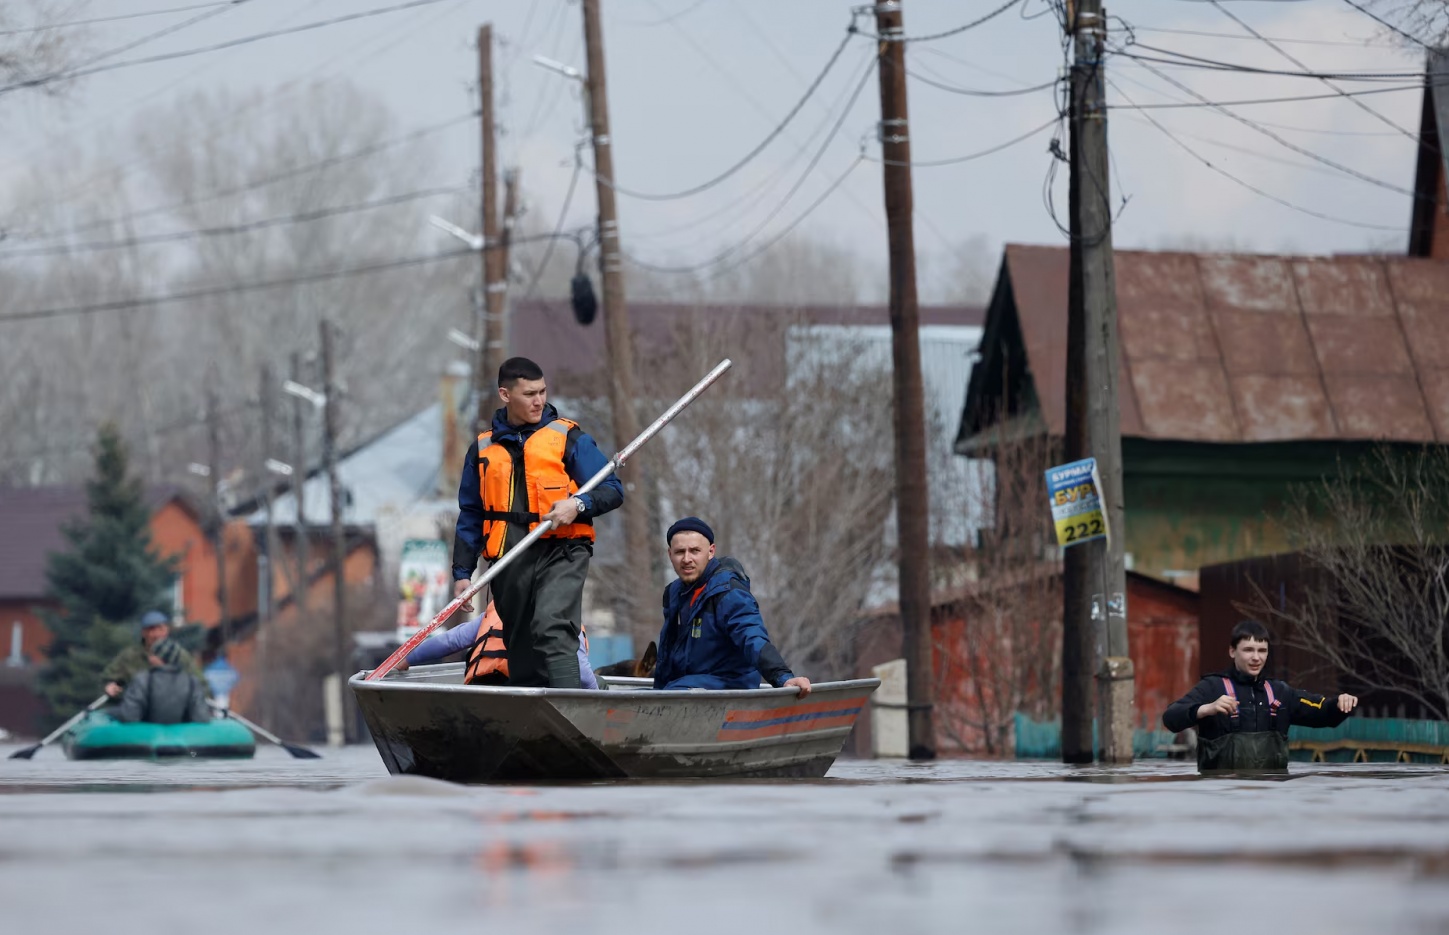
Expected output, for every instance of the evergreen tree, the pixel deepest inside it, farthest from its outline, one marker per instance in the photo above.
(108, 576)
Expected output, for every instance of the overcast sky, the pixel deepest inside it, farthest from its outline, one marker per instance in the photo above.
(693, 86)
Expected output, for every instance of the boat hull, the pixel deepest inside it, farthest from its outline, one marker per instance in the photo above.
(427, 723)
(102, 737)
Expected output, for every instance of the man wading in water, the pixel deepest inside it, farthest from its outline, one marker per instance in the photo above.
(1242, 719)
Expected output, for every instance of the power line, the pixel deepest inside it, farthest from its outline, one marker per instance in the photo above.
(111, 19)
(950, 32)
(973, 92)
(1290, 99)
(976, 155)
(232, 229)
(368, 150)
(1183, 60)
(1354, 101)
(84, 68)
(769, 138)
(557, 233)
(780, 205)
(1285, 143)
(217, 47)
(1227, 35)
(1388, 25)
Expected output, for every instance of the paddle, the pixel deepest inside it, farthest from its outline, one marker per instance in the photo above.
(301, 753)
(537, 532)
(59, 732)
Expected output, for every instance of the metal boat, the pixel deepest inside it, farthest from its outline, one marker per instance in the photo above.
(426, 722)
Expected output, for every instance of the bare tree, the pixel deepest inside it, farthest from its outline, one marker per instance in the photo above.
(784, 460)
(1375, 606)
(998, 644)
(1414, 21)
(37, 41)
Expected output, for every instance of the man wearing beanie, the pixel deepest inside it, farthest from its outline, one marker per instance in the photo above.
(713, 634)
(527, 468)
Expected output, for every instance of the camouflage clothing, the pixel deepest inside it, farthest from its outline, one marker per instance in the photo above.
(134, 659)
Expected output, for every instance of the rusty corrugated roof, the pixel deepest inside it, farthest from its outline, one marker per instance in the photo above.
(1239, 348)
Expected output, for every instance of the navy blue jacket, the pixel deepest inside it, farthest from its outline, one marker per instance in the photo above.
(713, 635)
(582, 460)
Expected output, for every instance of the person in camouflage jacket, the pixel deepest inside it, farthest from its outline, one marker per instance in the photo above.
(155, 648)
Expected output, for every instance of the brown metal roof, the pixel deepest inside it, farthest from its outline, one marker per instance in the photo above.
(1232, 348)
(31, 519)
(574, 358)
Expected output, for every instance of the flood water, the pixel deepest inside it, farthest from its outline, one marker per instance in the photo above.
(278, 845)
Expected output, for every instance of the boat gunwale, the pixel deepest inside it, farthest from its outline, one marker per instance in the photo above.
(427, 685)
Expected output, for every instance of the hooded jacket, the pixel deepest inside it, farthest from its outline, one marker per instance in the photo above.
(713, 635)
(164, 695)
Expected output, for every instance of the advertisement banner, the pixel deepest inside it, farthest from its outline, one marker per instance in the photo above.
(425, 583)
(1075, 495)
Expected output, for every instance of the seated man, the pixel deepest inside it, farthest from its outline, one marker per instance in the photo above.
(155, 648)
(1242, 719)
(164, 694)
(713, 636)
(488, 658)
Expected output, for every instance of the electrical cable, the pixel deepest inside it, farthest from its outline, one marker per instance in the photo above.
(1183, 60)
(111, 19)
(972, 92)
(748, 157)
(1354, 101)
(557, 233)
(780, 205)
(244, 227)
(1388, 25)
(368, 150)
(967, 158)
(1247, 185)
(950, 32)
(217, 47)
(1226, 35)
(1292, 99)
(1361, 176)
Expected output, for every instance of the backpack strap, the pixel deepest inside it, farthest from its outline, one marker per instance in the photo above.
(1231, 693)
(1272, 699)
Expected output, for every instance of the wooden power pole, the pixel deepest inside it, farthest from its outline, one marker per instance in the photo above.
(299, 483)
(341, 657)
(619, 341)
(1094, 633)
(495, 265)
(912, 513)
(218, 515)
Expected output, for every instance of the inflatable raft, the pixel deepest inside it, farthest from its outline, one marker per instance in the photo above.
(101, 737)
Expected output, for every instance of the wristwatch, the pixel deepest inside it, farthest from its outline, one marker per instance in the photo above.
(582, 506)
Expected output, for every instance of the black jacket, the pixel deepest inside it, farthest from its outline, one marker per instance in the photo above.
(1254, 712)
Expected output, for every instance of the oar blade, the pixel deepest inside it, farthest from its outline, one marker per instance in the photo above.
(25, 754)
(301, 753)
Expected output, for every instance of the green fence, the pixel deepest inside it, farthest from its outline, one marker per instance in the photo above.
(1036, 740)
(1376, 740)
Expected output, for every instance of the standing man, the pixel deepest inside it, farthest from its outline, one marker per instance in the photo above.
(525, 469)
(713, 634)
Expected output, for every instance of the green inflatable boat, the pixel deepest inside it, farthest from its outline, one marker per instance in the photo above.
(101, 737)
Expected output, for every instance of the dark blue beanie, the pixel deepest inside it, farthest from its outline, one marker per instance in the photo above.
(689, 524)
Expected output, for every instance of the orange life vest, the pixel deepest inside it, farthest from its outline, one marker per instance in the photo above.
(546, 483)
(488, 656)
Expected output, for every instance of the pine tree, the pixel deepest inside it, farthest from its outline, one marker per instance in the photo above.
(108, 576)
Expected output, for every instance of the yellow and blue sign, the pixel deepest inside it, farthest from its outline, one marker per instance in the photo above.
(1075, 494)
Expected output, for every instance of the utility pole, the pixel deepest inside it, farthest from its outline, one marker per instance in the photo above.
(267, 561)
(341, 658)
(619, 341)
(299, 482)
(912, 513)
(490, 356)
(1094, 632)
(218, 529)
